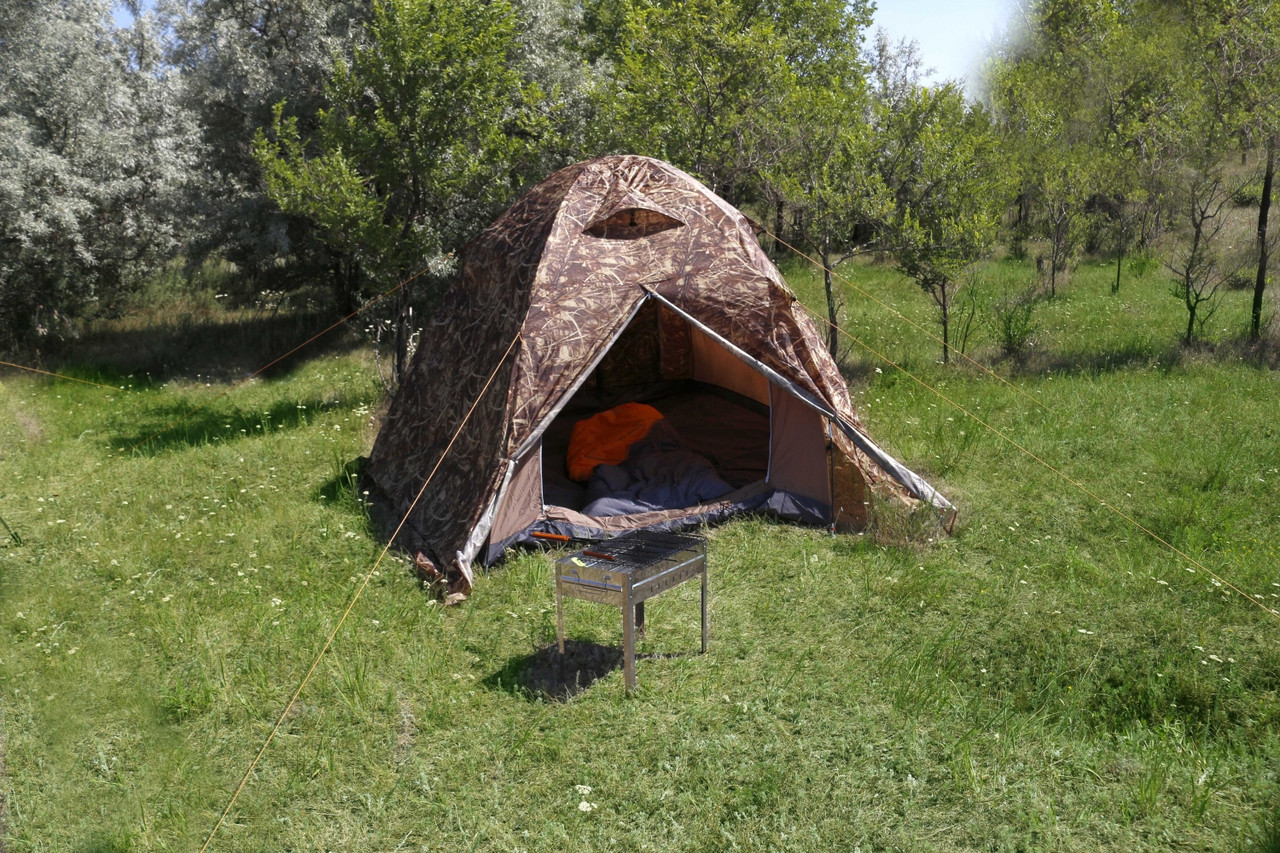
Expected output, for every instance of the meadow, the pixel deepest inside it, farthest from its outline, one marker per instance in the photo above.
(178, 543)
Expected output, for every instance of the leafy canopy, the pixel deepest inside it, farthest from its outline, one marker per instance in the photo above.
(423, 128)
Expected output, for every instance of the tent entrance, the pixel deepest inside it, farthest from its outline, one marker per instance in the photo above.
(730, 431)
(770, 449)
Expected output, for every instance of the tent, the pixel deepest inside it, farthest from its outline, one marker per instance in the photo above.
(621, 280)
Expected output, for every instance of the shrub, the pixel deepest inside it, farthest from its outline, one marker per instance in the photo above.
(1014, 322)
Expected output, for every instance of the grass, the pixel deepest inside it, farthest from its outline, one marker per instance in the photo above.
(1048, 678)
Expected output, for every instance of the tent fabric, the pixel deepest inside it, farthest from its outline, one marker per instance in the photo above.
(599, 249)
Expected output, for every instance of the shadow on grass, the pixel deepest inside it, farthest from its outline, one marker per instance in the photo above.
(178, 426)
(346, 485)
(209, 347)
(1096, 363)
(861, 372)
(547, 674)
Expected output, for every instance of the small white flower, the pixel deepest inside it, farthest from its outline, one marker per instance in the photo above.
(584, 806)
(584, 790)
(275, 602)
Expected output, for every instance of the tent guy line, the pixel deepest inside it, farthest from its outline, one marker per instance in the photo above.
(1061, 474)
(58, 375)
(244, 780)
(235, 386)
(246, 380)
(900, 316)
(74, 487)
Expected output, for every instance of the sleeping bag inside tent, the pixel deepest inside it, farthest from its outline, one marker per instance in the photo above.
(619, 353)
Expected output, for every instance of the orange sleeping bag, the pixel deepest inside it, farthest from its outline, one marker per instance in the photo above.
(606, 438)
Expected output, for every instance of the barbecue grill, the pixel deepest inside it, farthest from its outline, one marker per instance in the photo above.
(627, 571)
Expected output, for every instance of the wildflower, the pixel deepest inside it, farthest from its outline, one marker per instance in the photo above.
(584, 806)
(275, 602)
(584, 790)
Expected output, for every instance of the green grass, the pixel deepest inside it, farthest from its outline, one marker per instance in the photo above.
(1048, 678)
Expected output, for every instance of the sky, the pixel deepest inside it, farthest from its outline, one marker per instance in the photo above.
(952, 34)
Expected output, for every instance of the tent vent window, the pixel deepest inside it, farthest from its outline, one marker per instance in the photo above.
(632, 224)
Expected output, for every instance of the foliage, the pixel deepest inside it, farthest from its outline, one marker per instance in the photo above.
(1013, 318)
(236, 62)
(93, 154)
(1241, 56)
(551, 58)
(948, 187)
(420, 144)
(706, 84)
(1089, 98)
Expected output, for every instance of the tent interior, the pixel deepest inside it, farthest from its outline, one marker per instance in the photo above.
(768, 447)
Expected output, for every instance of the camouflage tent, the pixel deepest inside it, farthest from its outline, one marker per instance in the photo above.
(616, 280)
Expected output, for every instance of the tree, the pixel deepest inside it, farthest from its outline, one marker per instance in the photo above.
(420, 143)
(941, 164)
(1239, 41)
(827, 177)
(704, 84)
(1083, 97)
(93, 152)
(828, 173)
(1199, 263)
(552, 56)
(237, 60)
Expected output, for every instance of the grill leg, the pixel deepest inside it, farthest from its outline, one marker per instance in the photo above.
(559, 618)
(629, 645)
(705, 622)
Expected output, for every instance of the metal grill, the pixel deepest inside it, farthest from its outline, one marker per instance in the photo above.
(627, 571)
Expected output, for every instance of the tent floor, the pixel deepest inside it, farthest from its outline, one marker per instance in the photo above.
(731, 431)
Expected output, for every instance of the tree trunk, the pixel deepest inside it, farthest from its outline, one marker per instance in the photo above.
(945, 304)
(1121, 245)
(1188, 299)
(401, 366)
(778, 222)
(1264, 208)
(833, 335)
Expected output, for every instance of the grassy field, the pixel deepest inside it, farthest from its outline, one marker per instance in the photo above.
(1048, 678)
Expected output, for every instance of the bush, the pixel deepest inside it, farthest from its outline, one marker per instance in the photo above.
(1014, 322)
(1143, 263)
(1249, 194)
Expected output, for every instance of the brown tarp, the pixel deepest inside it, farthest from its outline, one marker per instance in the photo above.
(543, 293)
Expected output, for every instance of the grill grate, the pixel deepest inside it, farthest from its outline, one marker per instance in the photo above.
(639, 550)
